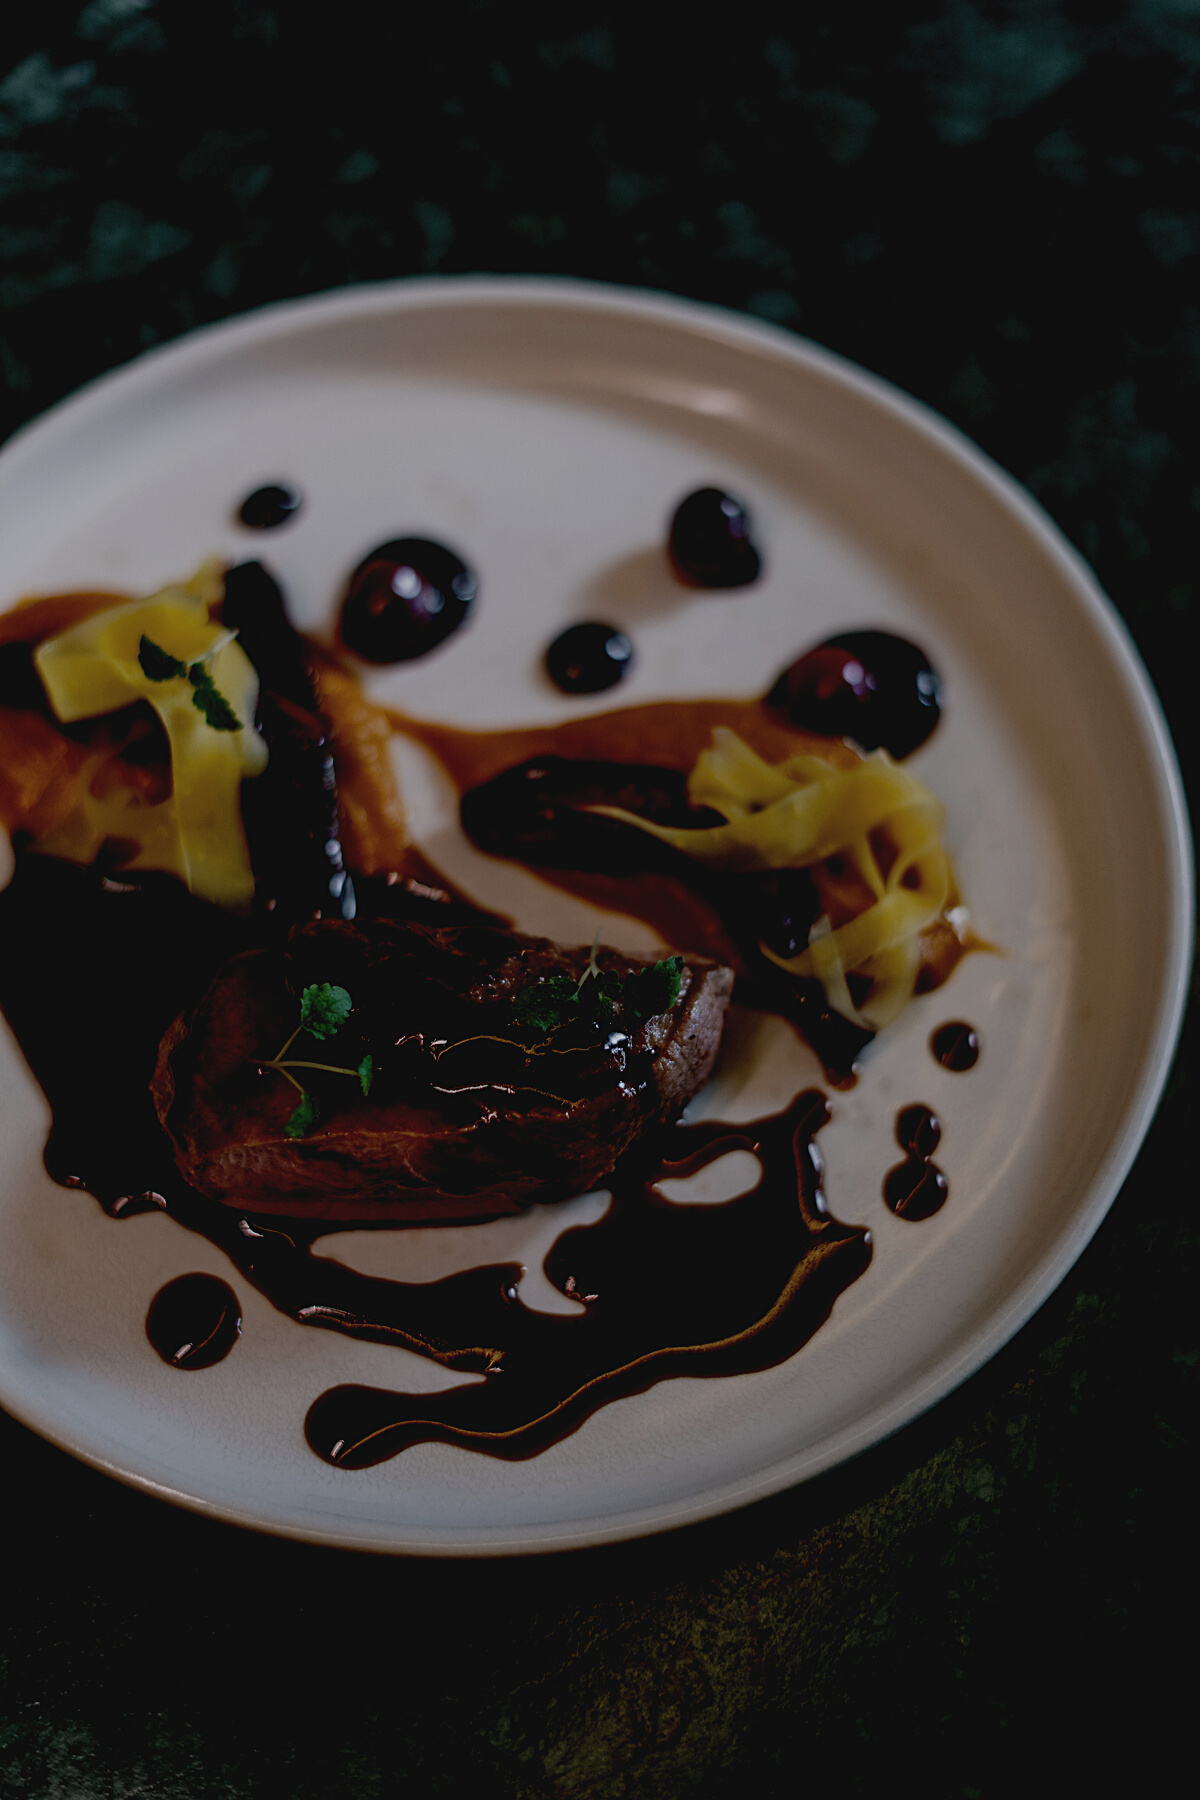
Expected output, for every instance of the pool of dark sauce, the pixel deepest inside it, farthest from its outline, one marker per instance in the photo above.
(194, 1321)
(102, 959)
(105, 966)
(667, 1289)
(916, 1188)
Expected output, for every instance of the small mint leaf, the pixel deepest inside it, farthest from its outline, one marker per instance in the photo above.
(366, 1074)
(323, 1009)
(157, 664)
(210, 701)
(303, 1119)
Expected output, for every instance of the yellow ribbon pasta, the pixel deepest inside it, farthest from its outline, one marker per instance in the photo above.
(795, 814)
(93, 668)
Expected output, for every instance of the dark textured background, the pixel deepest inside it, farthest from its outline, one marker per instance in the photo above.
(996, 206)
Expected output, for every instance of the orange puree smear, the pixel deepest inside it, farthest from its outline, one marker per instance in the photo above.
(670, 734)
(29, 621)
(373, 825)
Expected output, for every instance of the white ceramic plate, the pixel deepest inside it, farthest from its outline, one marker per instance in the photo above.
(548, 428)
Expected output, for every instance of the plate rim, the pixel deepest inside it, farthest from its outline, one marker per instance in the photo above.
(376, 299)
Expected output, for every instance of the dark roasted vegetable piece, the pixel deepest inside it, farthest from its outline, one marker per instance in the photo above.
(290, 812)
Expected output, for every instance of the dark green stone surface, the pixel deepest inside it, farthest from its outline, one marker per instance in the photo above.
(995, 205)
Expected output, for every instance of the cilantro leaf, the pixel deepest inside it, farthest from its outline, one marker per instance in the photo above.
(547, 1004)
(655, 990)
(303, 1119)
(157, 664)
(210, 701)
(323, 1009)
(366, 1074)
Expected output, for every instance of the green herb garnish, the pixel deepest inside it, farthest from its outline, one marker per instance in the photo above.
(558, 1001)
(654, 991)
(211, 702)
(323, 1010)
(158, 664)
(304, 1118)
(548, 1004)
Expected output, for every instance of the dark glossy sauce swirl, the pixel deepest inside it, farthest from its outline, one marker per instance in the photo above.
(104, 966)
(667, 1289)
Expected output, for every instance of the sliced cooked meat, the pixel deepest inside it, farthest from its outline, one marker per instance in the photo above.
(497, 1080)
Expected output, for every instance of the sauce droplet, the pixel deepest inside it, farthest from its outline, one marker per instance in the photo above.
(194, 1321)
(955, 1046)
(916, 1188)
(586, 659)
(709, 545)
(268, 507)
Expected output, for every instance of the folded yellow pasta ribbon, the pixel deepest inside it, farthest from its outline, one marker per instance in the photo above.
(800, 812)
(94, 668)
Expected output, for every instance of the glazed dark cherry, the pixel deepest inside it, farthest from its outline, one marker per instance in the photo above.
(586, 659)
(404, 599)
(878, 689)
(709, 545)
(268, 507)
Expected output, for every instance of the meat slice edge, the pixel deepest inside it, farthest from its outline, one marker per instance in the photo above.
(412, 1155)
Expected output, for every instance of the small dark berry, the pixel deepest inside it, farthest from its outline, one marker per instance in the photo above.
(404, 599)
(710, 545)
(268, 507)
(871, 686)
(588, 658)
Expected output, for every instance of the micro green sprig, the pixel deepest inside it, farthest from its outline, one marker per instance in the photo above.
(324, 1009)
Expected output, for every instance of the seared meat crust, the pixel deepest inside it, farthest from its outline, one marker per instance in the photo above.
(470, 1114)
